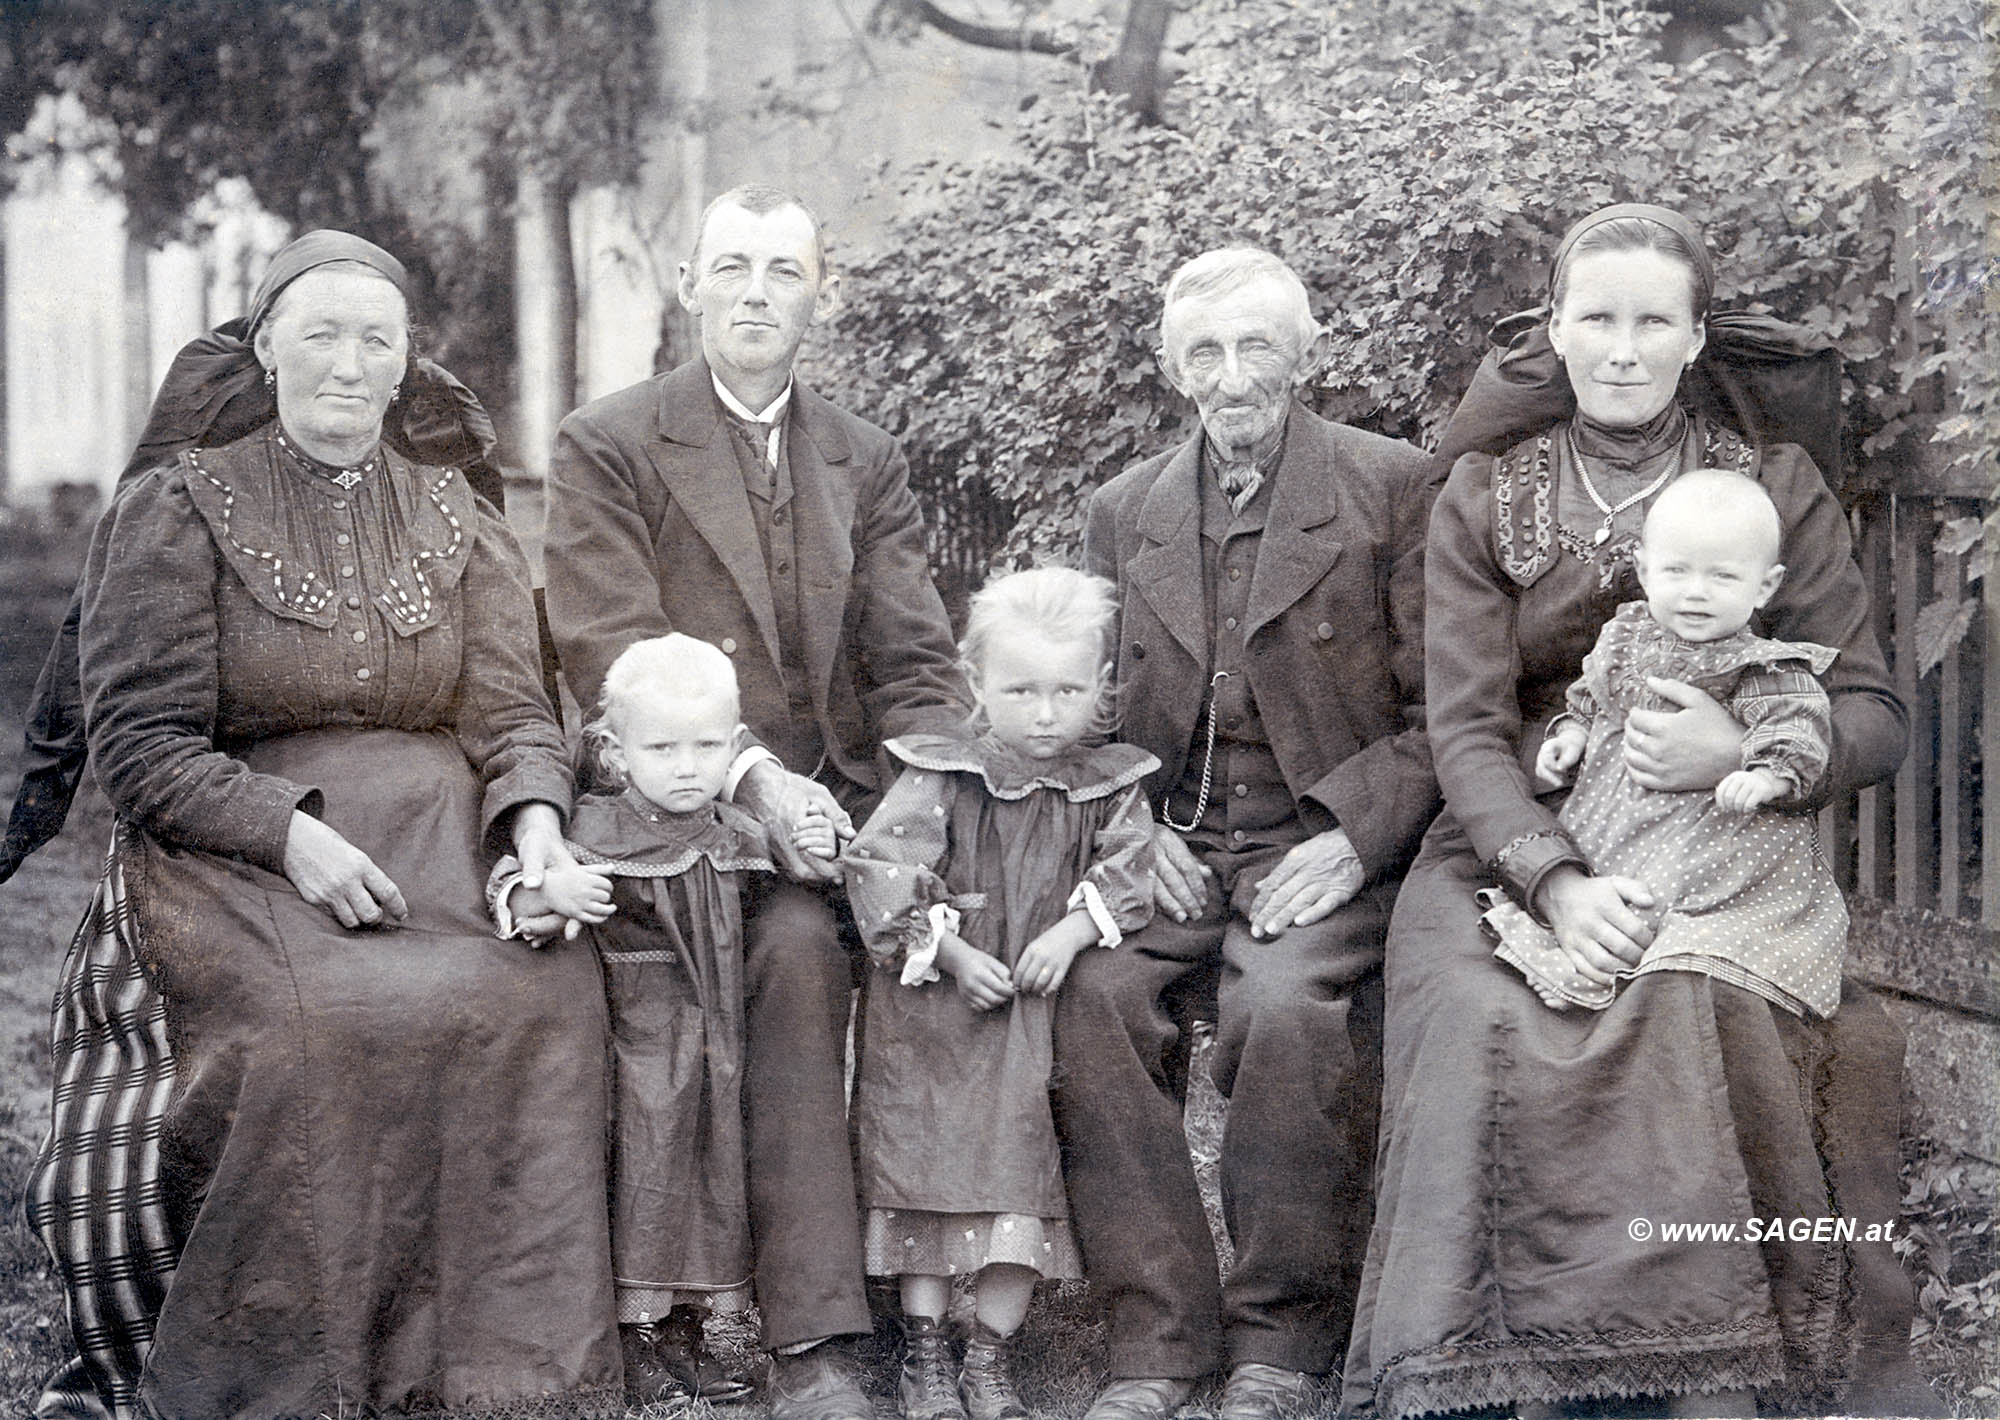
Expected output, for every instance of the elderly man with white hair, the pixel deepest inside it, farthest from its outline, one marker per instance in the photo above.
(1270, 653)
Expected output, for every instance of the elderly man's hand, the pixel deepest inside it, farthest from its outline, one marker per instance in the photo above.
(1181, 882)
(1317, 877)
(781, 801)
(1690, 747)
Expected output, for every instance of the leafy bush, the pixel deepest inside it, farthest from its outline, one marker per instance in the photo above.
(1415, 162)
(1949, 1201)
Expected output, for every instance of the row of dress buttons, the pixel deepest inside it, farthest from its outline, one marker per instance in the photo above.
(353, 602)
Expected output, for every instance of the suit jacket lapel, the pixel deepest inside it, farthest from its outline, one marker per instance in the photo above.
(700, 472)
(823, 526)
(1298, 547)
(1167, 570)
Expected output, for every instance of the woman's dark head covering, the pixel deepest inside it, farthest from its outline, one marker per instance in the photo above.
(1772, 381)
(318, 248)
(214, 392)
(1690, 246)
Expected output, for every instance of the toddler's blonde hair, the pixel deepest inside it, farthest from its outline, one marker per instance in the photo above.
(1726, 497)
(670, 667)
(1056, 604)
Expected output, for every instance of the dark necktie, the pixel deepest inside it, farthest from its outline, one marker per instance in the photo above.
(757, 434)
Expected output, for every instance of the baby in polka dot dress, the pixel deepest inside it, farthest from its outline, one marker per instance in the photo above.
(1741, 890)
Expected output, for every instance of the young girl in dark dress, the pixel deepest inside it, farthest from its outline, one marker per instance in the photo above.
(998, 855)
(660, 867)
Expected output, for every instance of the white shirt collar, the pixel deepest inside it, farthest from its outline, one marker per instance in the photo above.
(770, 412)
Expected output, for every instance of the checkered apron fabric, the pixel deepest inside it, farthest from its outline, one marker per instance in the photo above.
(94, 1197)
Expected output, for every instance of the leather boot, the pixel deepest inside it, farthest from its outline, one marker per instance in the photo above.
(985, 1381)
(679, 1346)
(926, 1391)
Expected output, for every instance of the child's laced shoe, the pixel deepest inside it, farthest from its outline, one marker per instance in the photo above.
(986, 1382)
(927, 1390)
(667, 1362)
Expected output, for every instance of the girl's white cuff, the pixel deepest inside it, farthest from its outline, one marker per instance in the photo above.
(1092, 901)
(920, 965)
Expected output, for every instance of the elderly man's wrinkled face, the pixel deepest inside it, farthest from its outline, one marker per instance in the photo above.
(756, 286)
(1238, 355)
(337, 340)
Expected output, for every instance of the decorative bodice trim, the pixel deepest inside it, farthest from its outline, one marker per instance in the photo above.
(277, 532)
(1082, 774)
(1526, 534)
(635, 839)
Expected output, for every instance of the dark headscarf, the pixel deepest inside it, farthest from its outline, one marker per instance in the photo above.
(1772, 381)
(214, 393)
(1680, 226)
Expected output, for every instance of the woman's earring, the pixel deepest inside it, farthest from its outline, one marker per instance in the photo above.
(395, 394)
(270, 379)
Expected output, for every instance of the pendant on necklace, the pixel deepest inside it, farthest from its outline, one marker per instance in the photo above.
(347, 478)
(1603, 534)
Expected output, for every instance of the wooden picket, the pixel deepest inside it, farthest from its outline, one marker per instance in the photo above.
(1926, 841)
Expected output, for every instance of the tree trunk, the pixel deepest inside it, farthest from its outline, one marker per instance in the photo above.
(544, 315)
(1135, 69)
(138, 341)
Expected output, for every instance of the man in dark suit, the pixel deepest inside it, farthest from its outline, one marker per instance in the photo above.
(1270, 575)
(726, 500)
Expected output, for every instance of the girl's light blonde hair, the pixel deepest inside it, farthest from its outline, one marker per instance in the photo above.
(1056, 604)
(667, 667)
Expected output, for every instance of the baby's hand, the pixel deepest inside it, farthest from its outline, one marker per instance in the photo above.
(982, 980)
(1748, 789)
(581, 894)
(814, 834)
(1559, 755)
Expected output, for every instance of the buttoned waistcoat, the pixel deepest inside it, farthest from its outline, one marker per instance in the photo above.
(1334, 630)
(650, 531)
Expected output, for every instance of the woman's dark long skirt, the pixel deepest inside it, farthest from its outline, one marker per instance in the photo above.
(1531, 1162)
(380, 1154)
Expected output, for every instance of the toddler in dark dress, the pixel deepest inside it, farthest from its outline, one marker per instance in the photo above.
(1736, 892)
(660, 865)
(997, 856)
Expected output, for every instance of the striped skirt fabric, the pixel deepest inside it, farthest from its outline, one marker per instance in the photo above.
(94, 1197)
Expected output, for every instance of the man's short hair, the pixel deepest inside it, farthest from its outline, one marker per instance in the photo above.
(758, 198)
(1217, 273)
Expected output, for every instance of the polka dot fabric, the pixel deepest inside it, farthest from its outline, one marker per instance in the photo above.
(1748, 898)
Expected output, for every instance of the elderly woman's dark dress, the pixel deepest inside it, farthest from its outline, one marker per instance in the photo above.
(1519, 1144)
(372, 1159)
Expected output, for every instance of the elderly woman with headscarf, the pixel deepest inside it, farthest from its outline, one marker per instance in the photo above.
(322, 1143)
(1533, 1162)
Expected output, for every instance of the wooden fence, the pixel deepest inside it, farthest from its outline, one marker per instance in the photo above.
(1930, 839)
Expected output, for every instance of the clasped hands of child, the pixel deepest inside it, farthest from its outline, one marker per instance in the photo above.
(581, 895)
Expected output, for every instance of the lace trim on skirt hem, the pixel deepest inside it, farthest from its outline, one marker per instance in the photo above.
(583, 1403)
(1462, 1378)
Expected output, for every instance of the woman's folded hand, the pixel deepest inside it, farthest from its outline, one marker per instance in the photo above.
(332, 873)
(1595, 920)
